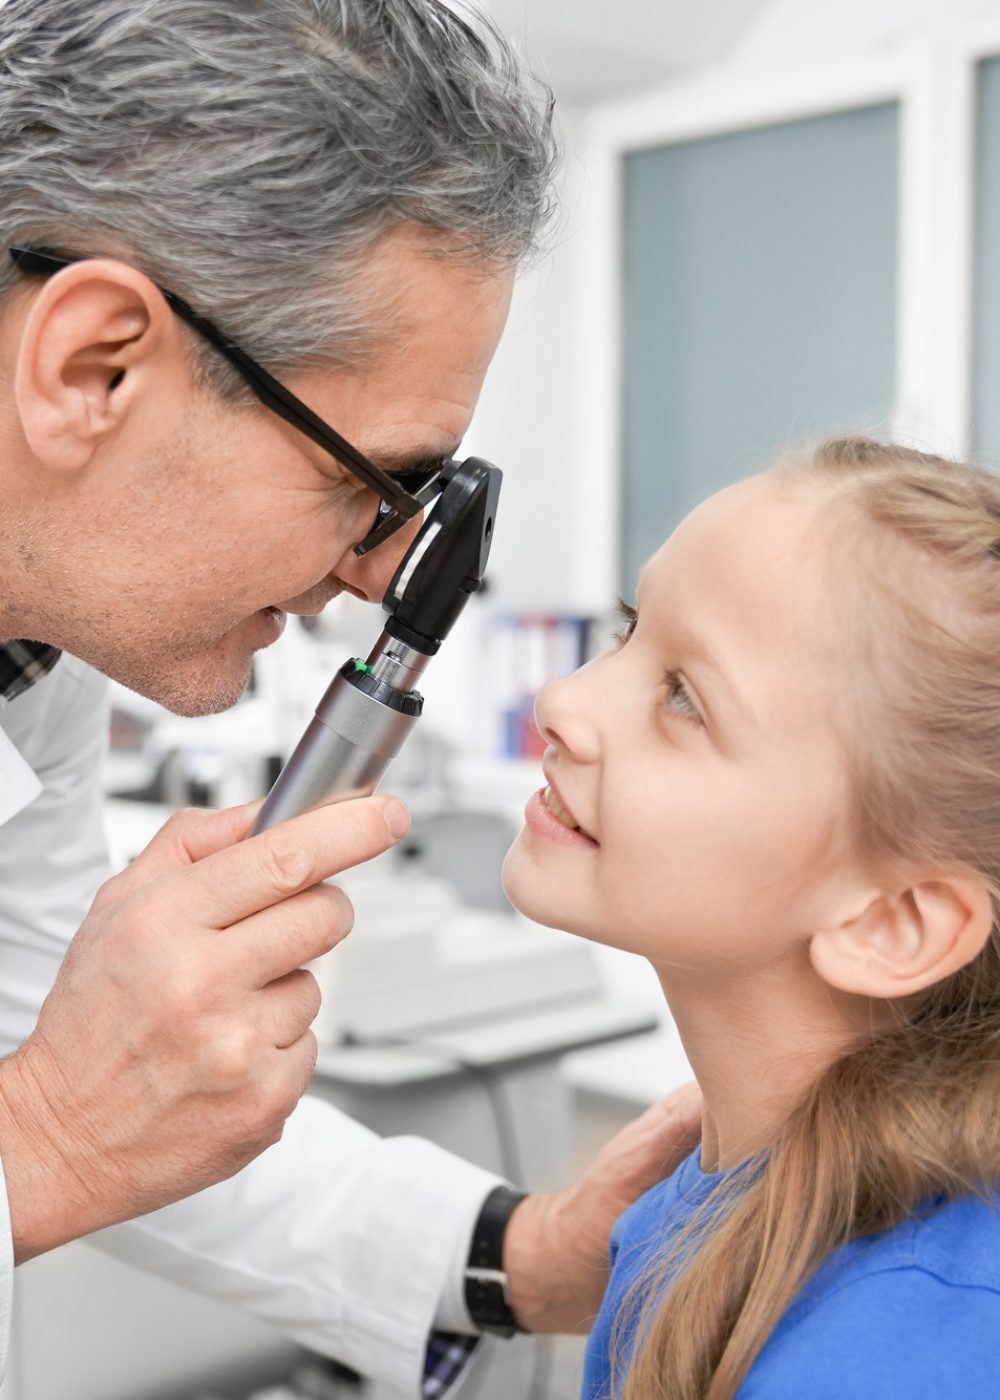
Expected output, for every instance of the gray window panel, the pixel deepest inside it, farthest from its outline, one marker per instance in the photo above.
(759, 305)
(986, 374)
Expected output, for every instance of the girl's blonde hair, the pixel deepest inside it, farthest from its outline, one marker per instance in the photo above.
(915, 1112)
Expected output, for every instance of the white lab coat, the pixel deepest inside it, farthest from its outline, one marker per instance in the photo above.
(350, 1243)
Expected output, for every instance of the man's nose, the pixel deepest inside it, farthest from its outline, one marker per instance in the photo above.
(369, 576)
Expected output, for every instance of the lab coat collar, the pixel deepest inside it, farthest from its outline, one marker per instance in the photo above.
(19, 783)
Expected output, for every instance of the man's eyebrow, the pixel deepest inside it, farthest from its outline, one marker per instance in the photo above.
(396, 462)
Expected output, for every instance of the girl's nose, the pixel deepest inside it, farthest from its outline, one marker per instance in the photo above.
(566, 721)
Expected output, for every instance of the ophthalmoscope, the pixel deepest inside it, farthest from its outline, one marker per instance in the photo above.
(363, 719)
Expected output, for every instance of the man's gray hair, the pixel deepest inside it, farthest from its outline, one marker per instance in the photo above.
(246, 154)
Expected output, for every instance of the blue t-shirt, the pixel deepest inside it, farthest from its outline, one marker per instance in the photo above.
(913, 1312)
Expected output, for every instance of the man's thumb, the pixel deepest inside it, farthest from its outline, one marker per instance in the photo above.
(186, 838)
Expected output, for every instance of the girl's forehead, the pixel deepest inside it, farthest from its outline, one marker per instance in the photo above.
(748, 571)
(759, 533)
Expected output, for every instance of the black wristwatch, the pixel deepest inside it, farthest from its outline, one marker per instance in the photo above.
(486, 1285)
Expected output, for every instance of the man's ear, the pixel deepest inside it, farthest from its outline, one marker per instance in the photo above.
(903, 943)
(88, 350)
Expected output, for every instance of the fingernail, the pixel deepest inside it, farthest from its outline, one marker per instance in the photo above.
(397, 818)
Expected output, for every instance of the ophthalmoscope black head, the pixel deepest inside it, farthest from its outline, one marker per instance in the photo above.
(363, 719)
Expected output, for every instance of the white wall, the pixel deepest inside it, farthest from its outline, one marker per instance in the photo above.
(536, 416)
(809, 29)
(524, 420)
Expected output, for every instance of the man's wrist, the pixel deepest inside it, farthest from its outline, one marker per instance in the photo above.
(528, 1236)
(549, 1261)
(48, 1201)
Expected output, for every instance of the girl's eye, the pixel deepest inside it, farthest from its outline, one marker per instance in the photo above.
(630, 618)
(679, 701)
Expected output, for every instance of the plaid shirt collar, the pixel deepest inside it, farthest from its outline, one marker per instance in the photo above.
(21, 664)
(448, 1354)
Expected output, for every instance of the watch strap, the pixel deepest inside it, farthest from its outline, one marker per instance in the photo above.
(487, 1294)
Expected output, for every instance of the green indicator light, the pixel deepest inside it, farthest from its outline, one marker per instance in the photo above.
(362, 666)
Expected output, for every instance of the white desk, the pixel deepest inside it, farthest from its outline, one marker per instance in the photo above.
(496, 1094)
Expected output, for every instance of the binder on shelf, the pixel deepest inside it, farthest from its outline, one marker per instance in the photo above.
(525, 651)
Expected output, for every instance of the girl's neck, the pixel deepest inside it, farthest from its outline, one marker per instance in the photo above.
(756, 1042)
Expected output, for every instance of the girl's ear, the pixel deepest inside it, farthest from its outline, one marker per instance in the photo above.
(902, 943)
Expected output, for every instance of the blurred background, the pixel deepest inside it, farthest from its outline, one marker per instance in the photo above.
(781, 219)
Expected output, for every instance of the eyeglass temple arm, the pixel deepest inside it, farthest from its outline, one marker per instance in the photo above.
(274, 395)
(284, 403)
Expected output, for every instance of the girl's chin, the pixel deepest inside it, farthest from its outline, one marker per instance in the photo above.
(534, 894)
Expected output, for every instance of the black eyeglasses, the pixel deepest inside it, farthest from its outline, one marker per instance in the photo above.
(401, 497)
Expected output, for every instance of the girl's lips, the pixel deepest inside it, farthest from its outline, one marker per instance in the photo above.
(546, 824)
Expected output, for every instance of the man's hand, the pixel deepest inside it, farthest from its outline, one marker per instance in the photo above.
(556, 1246)
(176, 1039)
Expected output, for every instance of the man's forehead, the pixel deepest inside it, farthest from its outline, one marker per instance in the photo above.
(436, 315)
(410, 401)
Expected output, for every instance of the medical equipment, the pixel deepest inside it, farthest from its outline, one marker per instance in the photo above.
(371, 706)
